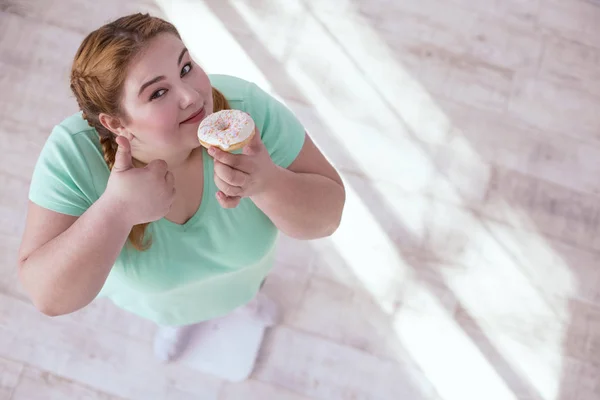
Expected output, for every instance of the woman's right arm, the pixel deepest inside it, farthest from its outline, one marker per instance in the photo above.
(65, 260)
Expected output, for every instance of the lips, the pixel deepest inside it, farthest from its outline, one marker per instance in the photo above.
(197, 116)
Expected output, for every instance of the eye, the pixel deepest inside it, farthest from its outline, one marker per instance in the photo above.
(158, 94)
(186, 69)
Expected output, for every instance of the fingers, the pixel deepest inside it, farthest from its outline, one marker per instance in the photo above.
(159, 166)
(170, 178)
(228, 201)
(228, 189)
(255, 143)
(123, 158)
(237, 161)
(231, 176)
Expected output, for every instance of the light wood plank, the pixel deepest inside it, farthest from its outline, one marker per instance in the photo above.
(41, 385)
(575, 20)
(481, 139)
(98, 358)
(322, 369)
(555, 108)
(346, 316)
(571, 63)
(40, 83)
(255, 390)
(10, 372)
(75, 15)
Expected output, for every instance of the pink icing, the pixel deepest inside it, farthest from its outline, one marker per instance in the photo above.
(226, 128)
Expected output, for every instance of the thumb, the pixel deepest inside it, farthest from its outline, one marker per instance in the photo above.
(255, 143)
(123, 160)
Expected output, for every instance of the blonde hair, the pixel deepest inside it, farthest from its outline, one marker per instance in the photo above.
(98, 75)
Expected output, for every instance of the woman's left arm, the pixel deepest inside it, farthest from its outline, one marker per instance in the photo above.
(305, 201)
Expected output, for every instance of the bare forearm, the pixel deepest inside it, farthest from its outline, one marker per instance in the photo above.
(68, 272)
(303, 206)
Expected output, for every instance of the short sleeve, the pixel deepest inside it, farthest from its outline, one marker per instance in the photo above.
(281, 131)
(61, 180)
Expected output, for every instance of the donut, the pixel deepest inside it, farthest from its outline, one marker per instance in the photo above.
(228, 130)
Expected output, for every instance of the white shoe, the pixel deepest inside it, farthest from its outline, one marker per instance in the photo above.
(170, 341)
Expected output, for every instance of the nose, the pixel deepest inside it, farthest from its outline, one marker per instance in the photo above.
(189, 96)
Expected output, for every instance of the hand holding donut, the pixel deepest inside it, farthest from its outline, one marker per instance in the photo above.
(242, 175)
(236, 175)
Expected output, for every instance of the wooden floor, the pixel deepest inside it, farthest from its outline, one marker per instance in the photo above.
(467, 264)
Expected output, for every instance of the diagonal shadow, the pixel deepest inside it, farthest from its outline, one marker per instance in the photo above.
(562, 205)
(382, 213)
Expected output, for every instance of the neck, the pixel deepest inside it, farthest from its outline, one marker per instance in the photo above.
(174, 161)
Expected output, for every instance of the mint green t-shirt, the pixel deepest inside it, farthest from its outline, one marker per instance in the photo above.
(193, 272)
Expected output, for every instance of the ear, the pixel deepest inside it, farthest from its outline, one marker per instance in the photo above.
(114, 125)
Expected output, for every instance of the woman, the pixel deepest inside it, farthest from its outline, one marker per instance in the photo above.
(125, 203)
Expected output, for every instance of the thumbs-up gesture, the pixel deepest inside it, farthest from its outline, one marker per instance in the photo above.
(143, 194)
(242, 175)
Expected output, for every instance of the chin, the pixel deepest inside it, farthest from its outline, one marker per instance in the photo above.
(192, 142)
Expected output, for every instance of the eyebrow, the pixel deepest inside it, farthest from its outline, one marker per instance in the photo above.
(160, 78)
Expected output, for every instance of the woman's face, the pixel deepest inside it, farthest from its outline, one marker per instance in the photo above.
(166, 96)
